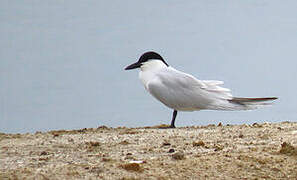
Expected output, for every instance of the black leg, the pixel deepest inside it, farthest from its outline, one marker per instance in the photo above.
(173, 119)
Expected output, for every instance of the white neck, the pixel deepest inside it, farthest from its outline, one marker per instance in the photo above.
(149, 70)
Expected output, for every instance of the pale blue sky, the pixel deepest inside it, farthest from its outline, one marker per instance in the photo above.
(61, 62)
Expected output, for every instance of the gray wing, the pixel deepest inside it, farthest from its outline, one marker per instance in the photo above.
(184, 92)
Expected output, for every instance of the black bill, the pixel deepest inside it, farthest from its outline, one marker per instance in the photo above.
(133, 66)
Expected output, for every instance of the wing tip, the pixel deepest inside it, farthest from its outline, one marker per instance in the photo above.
(245, 101)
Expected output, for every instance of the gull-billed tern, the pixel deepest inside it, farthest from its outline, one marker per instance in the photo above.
(183, 92)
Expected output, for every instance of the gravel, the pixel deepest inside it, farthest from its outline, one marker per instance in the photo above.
(258, 151)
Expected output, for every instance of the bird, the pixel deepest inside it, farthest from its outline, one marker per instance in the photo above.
(183, 92)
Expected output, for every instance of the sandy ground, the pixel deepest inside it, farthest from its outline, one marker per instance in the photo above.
(258, 151)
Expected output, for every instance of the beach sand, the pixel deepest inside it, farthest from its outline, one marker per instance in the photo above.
(258, 151)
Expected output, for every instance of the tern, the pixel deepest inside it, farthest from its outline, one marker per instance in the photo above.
(183, 92)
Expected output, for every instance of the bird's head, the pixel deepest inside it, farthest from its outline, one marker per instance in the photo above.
(148, 60)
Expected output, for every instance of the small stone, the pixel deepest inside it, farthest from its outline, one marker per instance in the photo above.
(138, 162)
(218, 148)
(94, 143)
(102, 127)
(171, 151)
(199, 143)
(96, 170)
(125, 142)
(178, 156)
(132, 167)
(287, 148)
(106, 159)
(257, 125)
(43, 153)
(166, 144)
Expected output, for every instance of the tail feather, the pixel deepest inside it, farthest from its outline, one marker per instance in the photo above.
(252, 103)
(238, 103)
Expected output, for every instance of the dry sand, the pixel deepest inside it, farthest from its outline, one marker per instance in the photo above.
(258, 151)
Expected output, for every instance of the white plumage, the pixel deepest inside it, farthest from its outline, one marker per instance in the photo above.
(183, 92)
